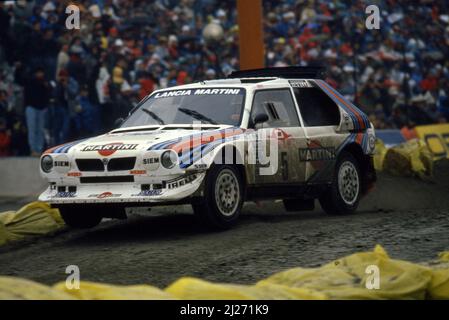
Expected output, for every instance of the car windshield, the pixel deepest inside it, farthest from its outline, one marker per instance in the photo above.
(190, 106)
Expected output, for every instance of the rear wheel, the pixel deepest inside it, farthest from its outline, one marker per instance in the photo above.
(343, 195)
(223, 198)
(79, 217)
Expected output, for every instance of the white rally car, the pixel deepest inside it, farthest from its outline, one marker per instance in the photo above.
(280, 133)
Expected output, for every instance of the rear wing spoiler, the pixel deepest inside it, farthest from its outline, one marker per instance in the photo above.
(316, 72)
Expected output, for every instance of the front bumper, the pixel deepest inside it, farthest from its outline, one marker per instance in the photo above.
(166, 191)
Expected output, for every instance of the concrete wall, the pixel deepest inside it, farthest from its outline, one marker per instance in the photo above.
(19, 177)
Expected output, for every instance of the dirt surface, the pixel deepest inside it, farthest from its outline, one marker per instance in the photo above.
(410, 218)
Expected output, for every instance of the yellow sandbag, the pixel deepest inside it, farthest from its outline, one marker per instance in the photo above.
(197, 289)
(439, 286)
(36, 218)
(426, 158)
(444, 256)
(411, 158)
(99, 291)
(12, 288)
(346, 278)
(379, 155)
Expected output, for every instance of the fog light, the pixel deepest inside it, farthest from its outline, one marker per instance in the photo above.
(169, 159)
(47, 163)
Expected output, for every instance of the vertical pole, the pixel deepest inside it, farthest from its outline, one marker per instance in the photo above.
(251, 44)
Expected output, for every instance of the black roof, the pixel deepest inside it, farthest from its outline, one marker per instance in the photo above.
(317, 72)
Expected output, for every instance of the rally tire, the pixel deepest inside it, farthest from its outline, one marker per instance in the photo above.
(223, 198)
(343, 195)
(77, 217)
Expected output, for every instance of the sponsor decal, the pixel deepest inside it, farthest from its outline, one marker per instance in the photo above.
(104, 195)
(61, 163)
(151, 160)
(138, 172)
(148, 193)
(106, 150)
(200, 166)
(300, 84)
(65, 194)
(280, 135)
(180, 181)
(317, 154)
(74, 174)
(190, 92)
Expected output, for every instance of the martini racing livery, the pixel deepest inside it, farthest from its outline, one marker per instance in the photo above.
(279, 133)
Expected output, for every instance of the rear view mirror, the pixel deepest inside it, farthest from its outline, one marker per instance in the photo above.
(260, 118)
(118, 122)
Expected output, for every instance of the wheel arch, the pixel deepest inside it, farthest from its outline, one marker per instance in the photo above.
(237, 161)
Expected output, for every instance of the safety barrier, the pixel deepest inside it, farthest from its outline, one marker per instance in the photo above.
(427, 156)
(364, 275)
(20, 177)
(390, 137)
(436, 137)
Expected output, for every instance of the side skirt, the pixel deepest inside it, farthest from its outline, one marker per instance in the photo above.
(288, 191)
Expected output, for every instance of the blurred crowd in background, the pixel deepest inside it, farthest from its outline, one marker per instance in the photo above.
(58, 85)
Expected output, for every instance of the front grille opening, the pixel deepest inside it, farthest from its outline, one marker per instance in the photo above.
(90, 164)
(61, 189)
(113, 179)
(117, 164)
(72, 188)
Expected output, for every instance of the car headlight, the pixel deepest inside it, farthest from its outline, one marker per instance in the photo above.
(47, 163)
(169, 159)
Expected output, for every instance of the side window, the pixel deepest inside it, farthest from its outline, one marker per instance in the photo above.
(317, 109)
(278, 105)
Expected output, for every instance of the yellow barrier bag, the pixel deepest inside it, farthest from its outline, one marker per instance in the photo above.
(444, 256)
(408, 159)
(99, 291)
(439, 287)
(347, 278)
(196, 289)
(379, 155)
(36, 218)
(12, 288)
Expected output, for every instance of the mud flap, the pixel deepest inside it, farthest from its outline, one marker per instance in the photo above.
(369, 176)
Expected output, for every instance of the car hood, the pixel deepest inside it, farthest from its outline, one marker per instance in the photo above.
(132, 141)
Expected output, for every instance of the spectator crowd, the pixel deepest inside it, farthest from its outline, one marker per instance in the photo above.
(59, 84)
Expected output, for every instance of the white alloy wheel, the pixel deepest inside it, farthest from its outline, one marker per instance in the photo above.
(227, 192)
(348, 182)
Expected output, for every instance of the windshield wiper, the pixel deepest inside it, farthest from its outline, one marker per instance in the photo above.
(197, 115)
(154, 116)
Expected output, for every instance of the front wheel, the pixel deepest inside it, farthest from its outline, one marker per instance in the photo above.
(223, 197)
(343, 195)
(79, 217)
